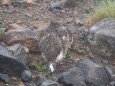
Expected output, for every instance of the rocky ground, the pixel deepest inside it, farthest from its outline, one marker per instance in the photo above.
(39, 15)
(37, 18)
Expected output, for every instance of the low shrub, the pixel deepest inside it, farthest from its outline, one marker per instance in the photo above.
(105, 9)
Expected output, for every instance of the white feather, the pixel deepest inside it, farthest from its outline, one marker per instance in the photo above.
(63, 37)
(60, 56)
(51, 67)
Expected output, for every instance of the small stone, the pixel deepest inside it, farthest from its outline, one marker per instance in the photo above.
(26, 76)
(79, 23)
(105, 61)
(5, 2)
(19, 22)
(71, 30)
(1, 23)
(35, 26)
(40, 78)
(109, 72)
(30, 84)
(4, 78)
(14, 78)
(28, 14)
(55, 79)
(14, 26)
(21, 84)
(0, 3)
(33, 76)
(77, 59)
(70, 3)
(6, 84)
(112, 83)
(113, 63)
(56, 6)
(20, 4)
(30, 2)
(49, 83)
(113, 77)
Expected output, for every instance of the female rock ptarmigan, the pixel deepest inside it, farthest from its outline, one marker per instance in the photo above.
(53, 43)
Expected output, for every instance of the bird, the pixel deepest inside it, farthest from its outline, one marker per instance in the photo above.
(53, 44)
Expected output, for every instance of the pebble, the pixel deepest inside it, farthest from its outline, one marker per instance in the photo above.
(26, 76)
(4, 78)
(49, 83)
(112, 83)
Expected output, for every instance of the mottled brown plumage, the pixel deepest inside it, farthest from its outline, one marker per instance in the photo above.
(53, 43)
(51, 47)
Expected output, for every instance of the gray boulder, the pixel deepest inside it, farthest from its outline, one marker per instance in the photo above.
(95, 75)
(102, 38)
(26, 37)
(86, 73)
(73, 77)
(19, 52)
(9, 64)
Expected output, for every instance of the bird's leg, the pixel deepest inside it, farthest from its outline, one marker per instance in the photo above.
(51, 66)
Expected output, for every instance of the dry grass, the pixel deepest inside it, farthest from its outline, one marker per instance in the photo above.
(106, 9)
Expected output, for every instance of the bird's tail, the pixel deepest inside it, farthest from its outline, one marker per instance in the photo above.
(51, 67)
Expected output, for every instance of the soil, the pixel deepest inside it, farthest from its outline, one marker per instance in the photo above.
(37, 17)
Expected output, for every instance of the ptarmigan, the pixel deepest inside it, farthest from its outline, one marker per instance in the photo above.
(53, 44)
